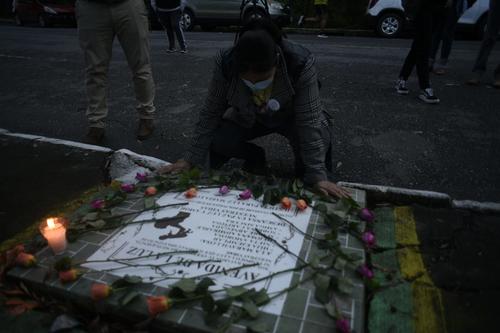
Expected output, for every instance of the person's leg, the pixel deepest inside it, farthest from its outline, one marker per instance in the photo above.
(409, 62)
(489, 41)
(131, 26)
(438, 26)
(175, 20)
(164, 19)
(231, 141)
(448, 36)
(423, 42)
(496, 82)
(95, 34)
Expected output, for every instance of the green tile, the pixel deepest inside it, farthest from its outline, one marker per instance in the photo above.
(359, 311)
(295, 303)
(36, 274)
(93, 238)
(194, 319)
(75, 246)
(316, 328)
(85, 252)
(288, 325)
(320, 316)
(355, 243)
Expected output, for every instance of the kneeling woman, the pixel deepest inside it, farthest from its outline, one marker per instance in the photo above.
(265, 84)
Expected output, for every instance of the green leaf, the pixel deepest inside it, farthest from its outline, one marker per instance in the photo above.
(208, 303)
(204, 284)
(149, 202)
(321, 208)
(212, 318)
(186, 285)
(129, 297)
(236, 291)
(340, 264)
(90, 217)
(126, 281)
(331, 309)
(97, 224)
(333, 220)
(258, 327)
(322, 281)
(223, 305)
(257, 190)
(322, 295)
(315, 262)
(345, 285)
(261, 297)
(251, 309)
(194, 174)
(63, 264)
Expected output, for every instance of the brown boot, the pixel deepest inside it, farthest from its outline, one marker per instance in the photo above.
(95, 135)
(146, 128)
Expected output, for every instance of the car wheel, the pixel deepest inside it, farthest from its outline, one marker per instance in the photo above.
(187, 20)
(19, 21)
(390, 25)
(43, 22)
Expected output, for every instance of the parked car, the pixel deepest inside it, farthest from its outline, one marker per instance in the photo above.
(44, 12)
(213, 13)
(390, 21)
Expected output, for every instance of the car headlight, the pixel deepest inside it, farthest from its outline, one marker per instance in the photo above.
(49, 10)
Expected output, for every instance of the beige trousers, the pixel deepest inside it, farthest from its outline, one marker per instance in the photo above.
(98, 24)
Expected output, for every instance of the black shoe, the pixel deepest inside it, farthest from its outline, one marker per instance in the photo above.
(401, 87)
(427, 95)
(95, 135)
(146, 129)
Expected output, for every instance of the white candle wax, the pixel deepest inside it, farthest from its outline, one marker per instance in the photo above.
(55, 233)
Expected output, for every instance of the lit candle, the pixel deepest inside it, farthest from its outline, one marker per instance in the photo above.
(54, 231)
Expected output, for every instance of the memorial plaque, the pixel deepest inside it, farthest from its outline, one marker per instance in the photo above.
(222, 230)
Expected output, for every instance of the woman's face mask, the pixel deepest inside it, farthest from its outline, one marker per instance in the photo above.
(258, 86)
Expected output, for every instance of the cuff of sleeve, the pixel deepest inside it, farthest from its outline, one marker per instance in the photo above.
(312, 179)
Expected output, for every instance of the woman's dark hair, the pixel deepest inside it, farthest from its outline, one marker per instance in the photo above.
(256, 49)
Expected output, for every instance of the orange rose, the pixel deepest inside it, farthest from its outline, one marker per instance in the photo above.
(100, 291)
(25, 260)
(191, 193)
(158, 304)
(68, 276)
(286, 203)
(150, 191)
(301, 204)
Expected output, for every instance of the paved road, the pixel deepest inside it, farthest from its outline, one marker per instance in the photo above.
(380, 137)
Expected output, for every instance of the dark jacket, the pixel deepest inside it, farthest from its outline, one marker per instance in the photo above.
(296, 89)
(414, 7)
(168, 4)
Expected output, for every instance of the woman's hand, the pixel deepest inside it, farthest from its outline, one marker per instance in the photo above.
(179, 166)
(329, 188)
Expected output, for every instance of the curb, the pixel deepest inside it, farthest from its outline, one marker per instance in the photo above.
(332, 32)
(404, 196)
(391, 194)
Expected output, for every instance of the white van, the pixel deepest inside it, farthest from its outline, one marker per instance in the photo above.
(390, 21)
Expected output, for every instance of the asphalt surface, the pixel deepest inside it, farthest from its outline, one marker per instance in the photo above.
(380, 137)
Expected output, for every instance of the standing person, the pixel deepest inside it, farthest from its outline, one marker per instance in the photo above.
(422, 12)
(444, 34)
(489, 40)
(99, 21)
(321, 8)
(264, 84)
(170, 13)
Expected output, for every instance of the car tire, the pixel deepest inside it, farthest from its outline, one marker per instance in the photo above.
(43, 22)
(390, 25)
(187, 21)
(19, 21)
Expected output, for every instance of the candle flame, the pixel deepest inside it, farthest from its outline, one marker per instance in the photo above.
(50, 223)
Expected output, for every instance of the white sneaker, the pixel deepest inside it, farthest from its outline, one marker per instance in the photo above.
(322, 36)
(401, 87)
(428, 96)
